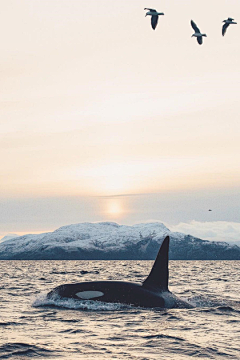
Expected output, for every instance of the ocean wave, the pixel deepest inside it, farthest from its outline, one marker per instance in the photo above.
(8, 323)
(163, 336)
(83, 272)
(90, 305)
(9, 350)
(200, 301)
(183, 347)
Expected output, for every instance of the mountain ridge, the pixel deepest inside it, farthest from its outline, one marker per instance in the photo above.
(111, 241)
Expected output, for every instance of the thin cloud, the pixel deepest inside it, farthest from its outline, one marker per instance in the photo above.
(212, 230)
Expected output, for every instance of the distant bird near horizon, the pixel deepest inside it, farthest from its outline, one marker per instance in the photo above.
(154, 16)
(197, 33)
(226, 25)
(209, 210)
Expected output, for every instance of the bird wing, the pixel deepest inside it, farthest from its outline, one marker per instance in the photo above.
(224, 28)
(153, 10)
(199, 40)
(154, 21)
(194, 26)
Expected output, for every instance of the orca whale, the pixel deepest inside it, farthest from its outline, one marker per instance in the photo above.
(152, 293)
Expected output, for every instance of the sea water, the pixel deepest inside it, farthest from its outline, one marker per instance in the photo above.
(31, 326)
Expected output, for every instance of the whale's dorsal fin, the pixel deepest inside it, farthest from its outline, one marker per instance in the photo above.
(158, 277)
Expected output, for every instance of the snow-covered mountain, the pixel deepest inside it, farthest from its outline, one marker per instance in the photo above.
(8, 237)
(108, 240)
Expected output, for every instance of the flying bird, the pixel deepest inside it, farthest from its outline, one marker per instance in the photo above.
(226, 25)
(154, 16)
(197, 33)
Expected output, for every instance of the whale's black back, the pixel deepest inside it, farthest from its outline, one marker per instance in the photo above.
(152, 293)
(158, 278)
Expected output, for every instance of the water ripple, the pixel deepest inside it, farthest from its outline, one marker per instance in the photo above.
(10, 350)
(33, 326)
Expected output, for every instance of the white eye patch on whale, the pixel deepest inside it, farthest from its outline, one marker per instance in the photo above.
(88, 295)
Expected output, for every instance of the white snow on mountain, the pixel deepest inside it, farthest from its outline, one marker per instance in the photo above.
(8, 237)
(108, 235)
(102, 236)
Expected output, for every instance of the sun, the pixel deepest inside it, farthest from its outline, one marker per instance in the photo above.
(114, 208)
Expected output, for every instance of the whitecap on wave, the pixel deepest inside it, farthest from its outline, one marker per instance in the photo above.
(43, 300)
(200, 301)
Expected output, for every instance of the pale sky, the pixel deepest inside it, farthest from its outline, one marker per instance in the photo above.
(95, 104)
